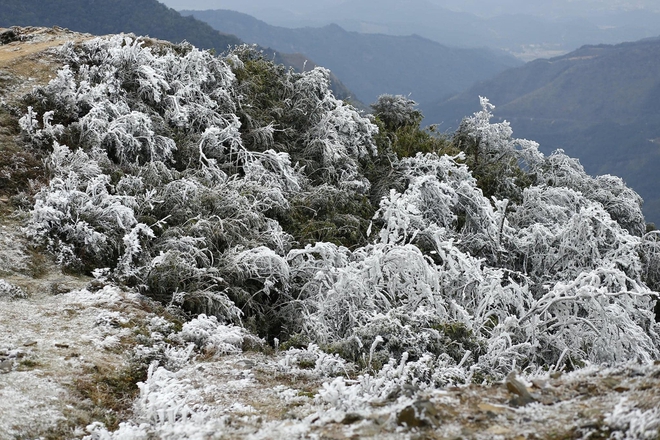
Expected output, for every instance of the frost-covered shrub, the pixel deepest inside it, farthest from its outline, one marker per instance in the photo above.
(630, 423)
(338, 135)
(78, 216)
(392, 382)
(622, 203)
(502, 164)
(313, 359)
(442, 200)
(237, 190)
(601, 316)
(560, 233)
(167, 216)
(321, 133)
(396, 111)
(649, 250)
(378, 279)
(208, 334)
(544, 279)
(11, 291)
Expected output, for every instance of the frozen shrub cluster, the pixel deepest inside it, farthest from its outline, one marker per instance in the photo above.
(548, 281)
(239, 191)
(160, 410)
(9, 290)
(151, 178)
(206, 333)
(396, 111)
(396, 381)
(313, 359)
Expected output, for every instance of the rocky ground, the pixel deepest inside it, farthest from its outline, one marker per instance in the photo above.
(80, 357)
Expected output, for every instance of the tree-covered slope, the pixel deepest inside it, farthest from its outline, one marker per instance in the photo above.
(599, 103)
(100, 17)
(372, 64)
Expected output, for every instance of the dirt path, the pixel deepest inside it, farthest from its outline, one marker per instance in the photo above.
(27, 61)
(33, 40)
(62, 346)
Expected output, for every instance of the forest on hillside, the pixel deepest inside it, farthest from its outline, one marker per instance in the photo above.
(143, 17)
(235, 188)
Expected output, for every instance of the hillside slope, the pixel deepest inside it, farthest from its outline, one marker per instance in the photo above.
(372, 64)
(189, 248)
(600, 104)
(142, 17)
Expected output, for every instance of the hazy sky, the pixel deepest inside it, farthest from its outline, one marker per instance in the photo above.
(528, 29)
(479, 7)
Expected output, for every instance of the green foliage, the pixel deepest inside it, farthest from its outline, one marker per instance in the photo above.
(400, 135)
(327, 214)
(399, 123)
(497, 172)
(21, 166)
(396, 112)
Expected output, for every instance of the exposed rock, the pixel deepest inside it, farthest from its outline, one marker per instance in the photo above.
(8, 35)
(95, 285)
(420, 413)
(245, 363)
(539, 383)
(516, 387)
(6, 366)
(351, 418)
(492, 409)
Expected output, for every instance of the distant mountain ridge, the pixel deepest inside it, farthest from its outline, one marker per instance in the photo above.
(372, 64)
(528, 29)
(599, 103)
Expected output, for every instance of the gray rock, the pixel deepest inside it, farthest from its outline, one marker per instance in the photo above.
(351, 418)
(6, 366)
(516, 387)
(245, 364)
(8, 35)
(421, 413)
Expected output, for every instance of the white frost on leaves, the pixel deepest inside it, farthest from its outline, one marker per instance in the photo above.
(299, 361)
(631, 423)
(10, 291)
(208, 334)
(455, 287)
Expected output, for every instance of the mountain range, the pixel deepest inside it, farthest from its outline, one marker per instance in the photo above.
(372, 64)
(599, 103)
(527, 29)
